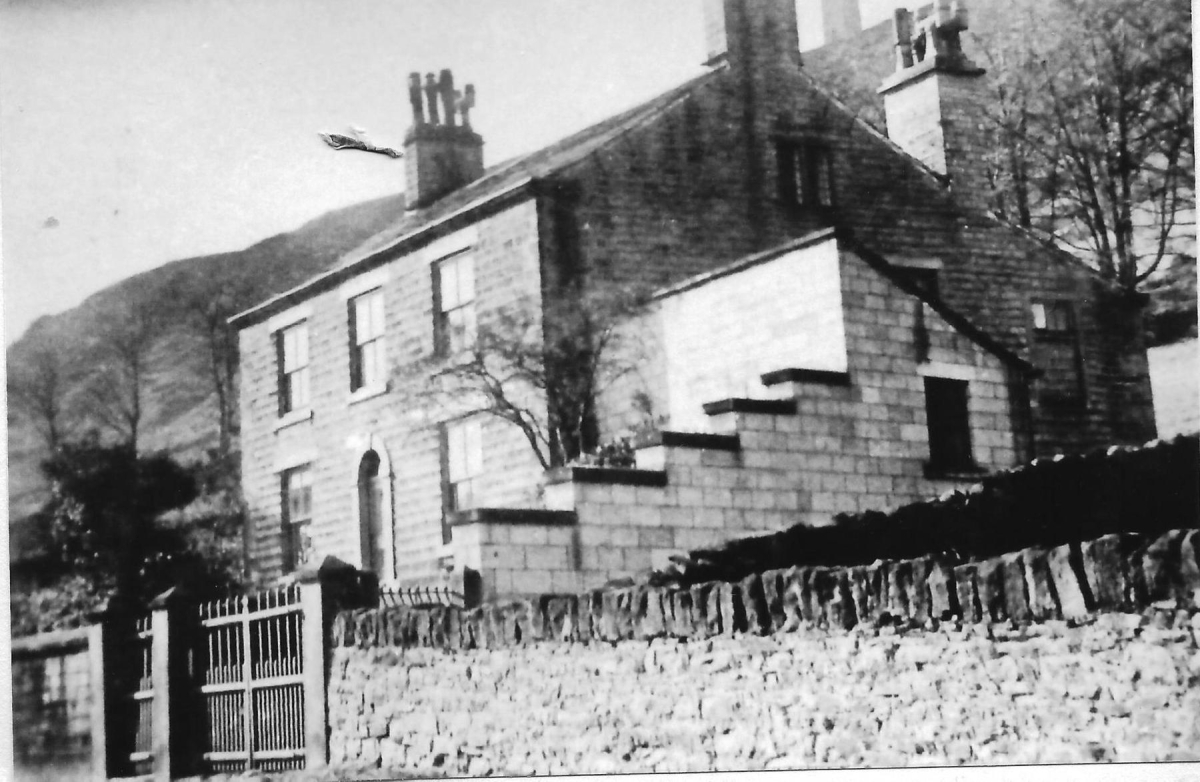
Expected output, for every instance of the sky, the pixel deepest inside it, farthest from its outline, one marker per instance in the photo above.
(134, 133)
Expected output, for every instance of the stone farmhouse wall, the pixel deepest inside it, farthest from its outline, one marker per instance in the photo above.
(815, 443)
(1075, 654)
(698, 186)
(341, 428)
(53, 708)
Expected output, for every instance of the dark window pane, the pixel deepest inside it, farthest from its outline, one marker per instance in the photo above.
(949, 424)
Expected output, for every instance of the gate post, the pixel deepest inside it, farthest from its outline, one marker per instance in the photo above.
(323, 590)
(96, 654)
(114, 721)
(171, 737)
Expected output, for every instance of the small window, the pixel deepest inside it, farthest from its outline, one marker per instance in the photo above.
(455, 286)
(297, 516)
(1057, 352)
(292, 346)
(367, 367)
(949, 425)
(925, 280)
(806, 174)
(1053, 317)
(464, 463)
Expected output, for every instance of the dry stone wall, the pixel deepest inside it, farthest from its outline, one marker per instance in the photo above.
(1081, 653)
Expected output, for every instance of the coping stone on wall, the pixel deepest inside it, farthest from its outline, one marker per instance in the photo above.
(1071, 601)
(1039, 585)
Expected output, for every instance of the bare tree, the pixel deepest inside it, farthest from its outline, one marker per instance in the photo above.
(207, 305)
(116, 390)
(1094, 117)
(38, 387)
(538, 368)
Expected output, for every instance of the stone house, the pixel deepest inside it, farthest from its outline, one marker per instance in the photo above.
(839, 324)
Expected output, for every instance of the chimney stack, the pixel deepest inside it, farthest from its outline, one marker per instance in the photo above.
(751, 34)
(441, 151)
(933, 103)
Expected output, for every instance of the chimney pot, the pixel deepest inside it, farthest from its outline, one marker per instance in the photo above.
(431, 96)
(414, 98)
(465, 103)
(446, 89)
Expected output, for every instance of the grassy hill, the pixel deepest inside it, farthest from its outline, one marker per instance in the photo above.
(181, 415)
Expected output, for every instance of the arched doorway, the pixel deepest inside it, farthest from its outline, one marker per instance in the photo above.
(373, 516)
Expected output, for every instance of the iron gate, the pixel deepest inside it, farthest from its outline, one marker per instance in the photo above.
(251, 681)
(143, 697)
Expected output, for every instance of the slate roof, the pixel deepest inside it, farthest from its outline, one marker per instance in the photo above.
(497, 181)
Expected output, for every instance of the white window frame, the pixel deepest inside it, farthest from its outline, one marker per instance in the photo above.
(368, 346)
(294, 381)
(298, 543)
(457, 319)
(464, 461)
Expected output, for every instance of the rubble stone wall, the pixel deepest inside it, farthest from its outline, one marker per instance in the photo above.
(1082, 653)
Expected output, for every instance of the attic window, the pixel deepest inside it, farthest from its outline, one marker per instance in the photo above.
(806, 174)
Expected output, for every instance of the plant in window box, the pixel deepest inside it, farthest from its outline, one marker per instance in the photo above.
(615, 453)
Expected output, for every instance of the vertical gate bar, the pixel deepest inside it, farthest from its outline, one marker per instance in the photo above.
(247, 675)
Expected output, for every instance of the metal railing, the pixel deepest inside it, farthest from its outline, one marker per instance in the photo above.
(420, 597)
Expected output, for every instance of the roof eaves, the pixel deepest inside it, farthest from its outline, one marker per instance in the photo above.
(632, 119)
(1049, 244)
(259, 311)
(940, 179)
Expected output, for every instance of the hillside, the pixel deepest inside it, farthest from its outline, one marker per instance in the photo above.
(181, 415)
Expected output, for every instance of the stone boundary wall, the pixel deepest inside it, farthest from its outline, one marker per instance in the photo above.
(1113, 573)
(54, 709)
(1036, 656)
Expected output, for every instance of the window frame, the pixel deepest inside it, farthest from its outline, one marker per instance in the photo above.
(951, 445)
(376, 344)
(297, 544)
(458, 307)
(806, 178)
(462, 470)
(1059, 332)
(294, 386)
(1042, 323)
